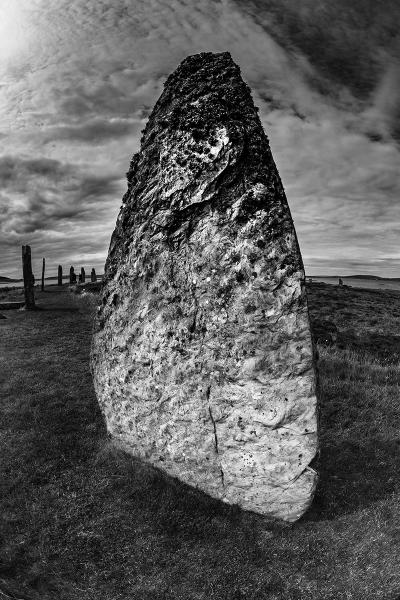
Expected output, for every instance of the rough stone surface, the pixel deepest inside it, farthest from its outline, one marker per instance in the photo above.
(202, 354)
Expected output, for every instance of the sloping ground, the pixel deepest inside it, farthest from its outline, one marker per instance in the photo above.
(80, 521)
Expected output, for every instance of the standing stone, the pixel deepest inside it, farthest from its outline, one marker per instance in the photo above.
(202, 354)
(43, 270)
(93, 276)
(340, 281)
(72, 275)
(80, 280)
(83, 275)
(59, 275)
(29, 279)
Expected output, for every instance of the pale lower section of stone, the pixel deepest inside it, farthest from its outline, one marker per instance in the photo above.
(212, 381)
(256, 457)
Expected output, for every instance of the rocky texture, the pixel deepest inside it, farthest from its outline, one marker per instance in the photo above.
(202, 354)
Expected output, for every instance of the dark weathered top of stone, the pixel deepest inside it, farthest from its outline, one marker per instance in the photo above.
(206, 92)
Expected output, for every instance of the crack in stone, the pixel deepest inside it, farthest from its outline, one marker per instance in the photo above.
(215, 432)
(222, 477)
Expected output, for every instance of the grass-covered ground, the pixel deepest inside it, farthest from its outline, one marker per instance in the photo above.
(81, 521)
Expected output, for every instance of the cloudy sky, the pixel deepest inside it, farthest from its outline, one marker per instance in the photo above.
(78, 79)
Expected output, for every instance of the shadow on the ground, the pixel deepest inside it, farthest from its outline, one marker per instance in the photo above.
(354, 475)
(357, 468)
(381, 346)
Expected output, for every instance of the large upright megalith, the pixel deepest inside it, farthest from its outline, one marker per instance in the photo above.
(202, 355)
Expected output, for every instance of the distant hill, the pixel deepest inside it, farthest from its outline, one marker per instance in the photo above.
(370, 277)
(8, 279)
(375, 277)
(362, 277)
(52, 277)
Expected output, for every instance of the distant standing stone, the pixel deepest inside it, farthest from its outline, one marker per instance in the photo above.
(83, 275)
(340, 281)
(59, 275)
(202, 354)
(29, 278)
(93, 276)
(43, 270)
(72, 275)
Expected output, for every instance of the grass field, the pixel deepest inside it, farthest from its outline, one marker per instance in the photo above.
(82, 521)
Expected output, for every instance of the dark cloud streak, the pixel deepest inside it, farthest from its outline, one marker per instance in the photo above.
(93, 132)
(348, 43)
(51, 194)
